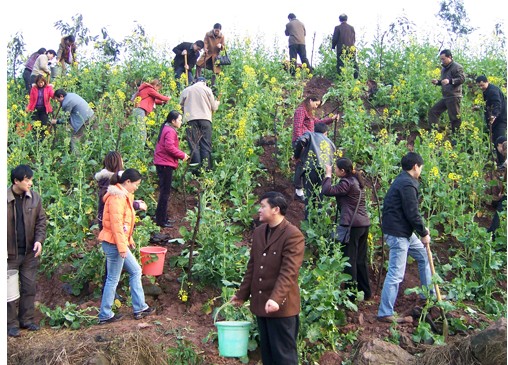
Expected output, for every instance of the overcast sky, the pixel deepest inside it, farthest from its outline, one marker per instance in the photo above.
(170, 22)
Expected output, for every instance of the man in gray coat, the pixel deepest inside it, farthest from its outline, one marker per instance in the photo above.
(198, 104)
(26, 232)
(295, 30)
(80, 114)
(452, 78)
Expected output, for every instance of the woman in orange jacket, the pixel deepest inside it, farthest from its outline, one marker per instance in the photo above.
(116, 235)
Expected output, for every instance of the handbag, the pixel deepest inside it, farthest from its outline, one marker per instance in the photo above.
(341, 233)
(223, 60)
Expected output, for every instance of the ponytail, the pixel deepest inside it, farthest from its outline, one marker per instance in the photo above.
(346, 164)
(129, 174)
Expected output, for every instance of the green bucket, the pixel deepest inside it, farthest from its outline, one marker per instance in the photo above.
(233, 337)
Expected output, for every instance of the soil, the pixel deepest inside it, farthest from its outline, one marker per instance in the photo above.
(176, 320)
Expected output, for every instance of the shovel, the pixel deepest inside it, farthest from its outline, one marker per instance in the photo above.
(438, 293)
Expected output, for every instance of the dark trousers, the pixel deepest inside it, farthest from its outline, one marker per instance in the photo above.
(42, 115)
(178, 73)
(452, 105)
(21, 312)
(313, 198)
(278, 340)
(26, 78)
(298, 178)
(296, 50)
(356, 251)
(346, 53)
(165, 174)
(498, 130)
(199, 137)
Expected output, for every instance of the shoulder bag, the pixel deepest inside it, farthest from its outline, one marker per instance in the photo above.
(223, 60)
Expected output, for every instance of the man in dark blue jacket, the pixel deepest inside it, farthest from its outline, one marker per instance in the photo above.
(401, 218)
(495, 112)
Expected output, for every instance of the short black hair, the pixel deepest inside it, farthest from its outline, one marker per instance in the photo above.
(500, 140)
(276, 199)
(410, 159)
(481, 78)
(446, 52)
(343, 17)
(291, 16)
(70, 38)
(20, 172)
(60, 92)
(200, 44)
(52, 51)
(320, 128)
(217, 26)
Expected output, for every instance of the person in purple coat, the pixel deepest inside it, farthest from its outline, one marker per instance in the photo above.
(166, 156)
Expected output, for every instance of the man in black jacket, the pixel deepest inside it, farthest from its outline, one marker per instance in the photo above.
(186, 56)
(495, 112)
(401, 218)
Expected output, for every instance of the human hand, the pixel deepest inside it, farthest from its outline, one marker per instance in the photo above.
(186, 157)
(271, 306)
(186, 67)
(434, 81)
(184, 52)
(123, 254)
(492, 119)
(445, 82)
(426, 239)
(219, 46)
(142, 205)
(37, 248)
(236, 301)
(328, 171)
(53, 121)
(476, 108)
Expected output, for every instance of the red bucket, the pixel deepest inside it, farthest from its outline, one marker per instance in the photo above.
(152, 260)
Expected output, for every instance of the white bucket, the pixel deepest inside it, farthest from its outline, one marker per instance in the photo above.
(12, 285)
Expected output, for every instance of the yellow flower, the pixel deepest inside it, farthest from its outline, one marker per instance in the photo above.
(453, 176)
(434, 171)
(447, 145)
(475, 174)
(439, 137)
(37, 124)
(273, 80)
(120, 94)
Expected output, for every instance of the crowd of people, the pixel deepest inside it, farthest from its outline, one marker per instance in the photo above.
(271, 277)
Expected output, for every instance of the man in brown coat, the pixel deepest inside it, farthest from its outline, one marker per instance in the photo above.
(343, 41)
(271, 281)
(214, 44)
(295, 30)
(26, 231)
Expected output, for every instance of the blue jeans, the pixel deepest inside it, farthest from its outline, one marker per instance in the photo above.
(400, 247)
(115, 263)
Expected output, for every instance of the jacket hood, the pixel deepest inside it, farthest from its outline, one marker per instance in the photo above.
(115, 190)
(103, 174)
(145, 85)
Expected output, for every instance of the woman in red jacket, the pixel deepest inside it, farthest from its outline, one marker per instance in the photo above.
(166, 156)
(39, 102)
(144, 100)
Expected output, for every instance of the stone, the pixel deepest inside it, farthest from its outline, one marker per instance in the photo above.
(152, 290)
(98, 359)
(489, 345)
(376, 351)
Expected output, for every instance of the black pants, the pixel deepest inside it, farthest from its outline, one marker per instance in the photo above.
(356, 251)
(346, 53)
(21, 312)
(26, 78)
(278, 340)
(199, 137)
(178, 73)
(498, 130)
(313, 198)
(165, 174)
(298, 178)
(452, 105)
(298, 50)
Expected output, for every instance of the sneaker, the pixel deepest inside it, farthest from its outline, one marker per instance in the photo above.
(13, 332)
(115, 318)
(392, 319)
(143, 314)
(30, 326)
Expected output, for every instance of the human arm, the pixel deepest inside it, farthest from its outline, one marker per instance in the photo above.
(341, 189)
(169, 140)
(214, 104)
(300, 144)
(139, 205)
(409, 203)
(116, 209)
(335, 37)
(298, 121)
(40, 229)
(158, 98)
